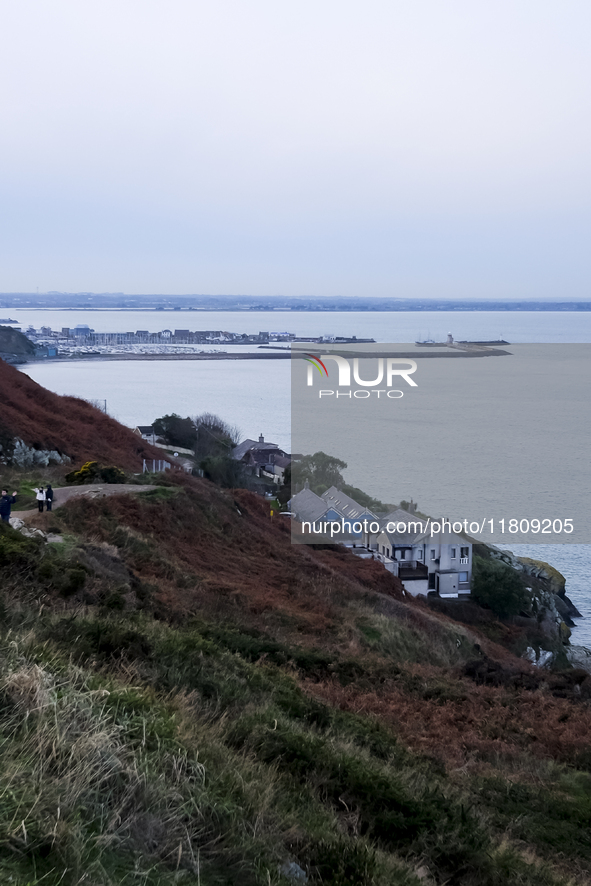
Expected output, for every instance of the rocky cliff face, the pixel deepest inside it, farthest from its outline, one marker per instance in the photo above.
(16, 452)
(548, 587)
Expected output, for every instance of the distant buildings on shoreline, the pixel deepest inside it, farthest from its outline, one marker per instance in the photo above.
(119, 301)
(70, 341)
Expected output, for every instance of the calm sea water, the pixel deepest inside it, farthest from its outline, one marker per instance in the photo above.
(255, 395)
(526, 326)
(252, 394)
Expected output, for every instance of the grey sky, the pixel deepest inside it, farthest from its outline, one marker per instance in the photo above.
(415, 148)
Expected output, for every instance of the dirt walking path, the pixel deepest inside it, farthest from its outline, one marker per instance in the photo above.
(62, 494)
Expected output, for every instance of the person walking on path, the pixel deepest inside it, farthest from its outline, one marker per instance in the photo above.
(6, 503)
(49, 496)
(40, 498)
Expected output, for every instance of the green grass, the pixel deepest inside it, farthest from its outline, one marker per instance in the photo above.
(102, 778)
(556, 814)
(123, 739)
(134, 751)
(160, 494)
(403, 641)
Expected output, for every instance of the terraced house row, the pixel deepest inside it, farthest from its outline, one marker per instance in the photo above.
(425, 561)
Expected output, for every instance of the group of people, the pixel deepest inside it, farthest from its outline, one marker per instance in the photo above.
(43, 496)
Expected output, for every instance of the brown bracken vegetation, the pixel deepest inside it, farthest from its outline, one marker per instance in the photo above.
(187, 697)
(217, 554)
(73, 427)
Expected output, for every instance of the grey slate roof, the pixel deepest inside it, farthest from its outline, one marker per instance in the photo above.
(400, 515)
(308, 506)
(402, 538)
(240, 451)
(445, 538)
(344, 504)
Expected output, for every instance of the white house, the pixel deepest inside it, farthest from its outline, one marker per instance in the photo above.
(146, 432)
(424, 562)
(439, 563)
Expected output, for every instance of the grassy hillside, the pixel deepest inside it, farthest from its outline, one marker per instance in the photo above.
(185, 697)
(14, 344)
(44, 420)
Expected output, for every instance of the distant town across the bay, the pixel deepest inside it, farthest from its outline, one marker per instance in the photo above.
(81, 341)
(140, 302)
(18, 345)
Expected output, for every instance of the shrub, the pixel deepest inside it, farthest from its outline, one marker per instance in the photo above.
(16, 551)
(112, 474)
(74, 580)
(93, 472)
(388, 810)
(103, 638)
(223, 470)
(498, 587)
(64, 576)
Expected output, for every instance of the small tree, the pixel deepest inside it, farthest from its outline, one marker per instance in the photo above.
(498, 587)
(284, 492)
(320, 470)
(223, 470)
(374, 504)
(176, 431)
(213, 436)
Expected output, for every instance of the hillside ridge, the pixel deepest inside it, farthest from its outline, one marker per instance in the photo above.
(188, 698)
(69, 425)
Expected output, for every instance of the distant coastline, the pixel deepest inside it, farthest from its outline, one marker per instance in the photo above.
(202, 304)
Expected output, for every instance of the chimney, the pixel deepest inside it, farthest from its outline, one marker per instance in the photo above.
(261, 439)
(306, 484)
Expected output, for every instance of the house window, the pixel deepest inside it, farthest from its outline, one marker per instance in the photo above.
(463, 576)
(464, 552)
(403, 555)
(432, 553)
(453, 553)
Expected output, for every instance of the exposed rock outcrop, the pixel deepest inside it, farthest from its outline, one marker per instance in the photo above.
(16, 452)
(580, 657)
(545, 580)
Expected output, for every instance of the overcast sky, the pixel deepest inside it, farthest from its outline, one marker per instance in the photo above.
(385, 148)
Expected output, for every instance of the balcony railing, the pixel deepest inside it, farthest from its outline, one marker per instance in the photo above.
(464, 560)
(412, 569)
